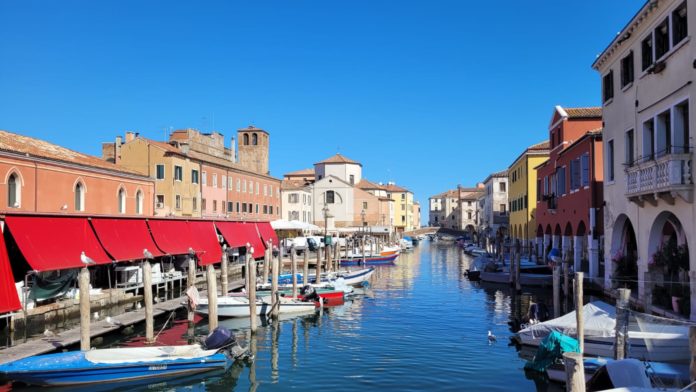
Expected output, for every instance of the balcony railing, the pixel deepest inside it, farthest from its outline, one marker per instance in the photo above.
(668, 173)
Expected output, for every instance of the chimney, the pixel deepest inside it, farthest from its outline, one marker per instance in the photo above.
(233, 151)
(130, 136)
(117, 150)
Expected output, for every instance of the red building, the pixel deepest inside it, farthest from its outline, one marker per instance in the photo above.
(569, 188)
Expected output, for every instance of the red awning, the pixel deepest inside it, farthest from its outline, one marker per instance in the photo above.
(208, 248)
(267, 233)
(173, 237)
(125, 239)
(9, 300)
(55, 243)
(238, 234)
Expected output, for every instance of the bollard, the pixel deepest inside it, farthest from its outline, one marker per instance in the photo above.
(85, 312)
(147, 294)
(275, 270)
(575, 372)
(620, 348)
(556, 291)
(212, 298)
(580, 322)
(293, 271)
(305, 268)
(224, 270)
(251, 267)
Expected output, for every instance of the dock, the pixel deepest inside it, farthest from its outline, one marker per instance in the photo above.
(70, 337)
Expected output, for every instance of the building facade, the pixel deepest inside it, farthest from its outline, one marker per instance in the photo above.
(41, 177)
(647, 94)
(569, 189)
(403, 207)
(467, 209)
(523, 189)
(296, 201)
(493, 209)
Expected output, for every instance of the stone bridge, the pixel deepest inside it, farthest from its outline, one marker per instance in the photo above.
(434, 230)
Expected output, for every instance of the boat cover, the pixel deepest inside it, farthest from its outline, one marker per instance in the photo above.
(146, 354)
(551, 349)
(599, 318)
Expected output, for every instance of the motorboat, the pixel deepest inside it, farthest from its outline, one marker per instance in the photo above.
(238, 306)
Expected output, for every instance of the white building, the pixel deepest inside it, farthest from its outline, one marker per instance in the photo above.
(494, 215)
(296, 201)
(647, 74)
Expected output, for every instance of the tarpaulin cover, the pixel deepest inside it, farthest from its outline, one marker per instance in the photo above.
(267, 233)
(9, 301)
(172, 236)
(551, 349)
(53, 286)
(599, 317)
(238, 234)
(125, 239)
(55, 243)
(207, 246)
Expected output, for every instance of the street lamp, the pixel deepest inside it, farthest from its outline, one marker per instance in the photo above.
(325, 210)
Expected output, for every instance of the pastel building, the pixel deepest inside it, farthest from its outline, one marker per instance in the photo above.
(523, 190)
(569, 189)
(42, 177)
(648, 97)
(493, 208)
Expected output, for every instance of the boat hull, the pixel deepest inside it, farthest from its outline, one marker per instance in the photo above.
(525, 278)
(72, 368)
(381, 260)
(239, 306)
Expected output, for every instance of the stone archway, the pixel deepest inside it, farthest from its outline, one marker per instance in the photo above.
(668, 265)
(624, 254)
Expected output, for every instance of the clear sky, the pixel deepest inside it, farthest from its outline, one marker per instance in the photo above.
(429, 94)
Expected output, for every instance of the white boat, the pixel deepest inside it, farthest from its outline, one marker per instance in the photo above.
(648, 339)
(339, 279)
(239, 306)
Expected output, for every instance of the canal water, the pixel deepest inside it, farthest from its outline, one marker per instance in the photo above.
(421, 326)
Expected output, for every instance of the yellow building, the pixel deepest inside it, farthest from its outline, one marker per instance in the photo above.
(403, 207)
(523, 191)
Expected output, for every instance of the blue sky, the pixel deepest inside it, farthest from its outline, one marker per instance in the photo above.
(429, 94)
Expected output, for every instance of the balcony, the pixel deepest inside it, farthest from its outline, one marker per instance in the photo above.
(664, 177)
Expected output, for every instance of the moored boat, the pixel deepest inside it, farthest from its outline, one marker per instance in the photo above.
(116, 365)
(379, 260)
(239, 306)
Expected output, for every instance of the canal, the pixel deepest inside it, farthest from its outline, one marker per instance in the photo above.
(421, 326)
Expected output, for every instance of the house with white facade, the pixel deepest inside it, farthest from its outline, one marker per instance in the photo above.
(296, 201)
(647, 74)
(494, 217)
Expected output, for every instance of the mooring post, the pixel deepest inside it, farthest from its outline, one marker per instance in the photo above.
(318, 266)
(580, 322)
(337, 255)
(518, 256)
(266, 261)
(566, 277)
(305, 268)
(212, 298)
(251, 267)
(293, 271)
(511, 276)
(329, 265)
(275, 271)
(363, 250)
(85, 312)
(147, 297)
(692, 347)
(224, 268)
(575, 372)
(622, 312)
(556, 291)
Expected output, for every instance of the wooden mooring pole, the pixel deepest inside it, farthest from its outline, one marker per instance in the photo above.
(267, 261)
(212, 298)
(556, 291)
(251, 267)
(575, 372)
(337, 255)
(147, 298)
(293, 271)
(580, 322)
(275, 271)
(692, 346)
(566, 277)
(305, 268)
(318, 266)
(224, 272)
(622, 313)
(85, 312)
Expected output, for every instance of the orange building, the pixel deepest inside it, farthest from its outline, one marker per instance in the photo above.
(38, 176)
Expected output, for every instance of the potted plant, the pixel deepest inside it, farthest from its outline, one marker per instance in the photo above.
(675, 259)
(625, 269)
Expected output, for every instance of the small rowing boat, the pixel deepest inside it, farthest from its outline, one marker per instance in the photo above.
(373, 260)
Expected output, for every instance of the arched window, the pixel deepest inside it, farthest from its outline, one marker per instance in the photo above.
(139, 202)
(13, 188)
(122, 201)
(246, 139)
(79, 197)
(254, 139)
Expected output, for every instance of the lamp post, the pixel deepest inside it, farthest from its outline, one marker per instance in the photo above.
(325, 210)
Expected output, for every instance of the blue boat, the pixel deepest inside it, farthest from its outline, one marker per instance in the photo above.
(372, 260)
(119, 365)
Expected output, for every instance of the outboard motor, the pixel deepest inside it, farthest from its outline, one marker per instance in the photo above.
(309, 293)
(220, 337)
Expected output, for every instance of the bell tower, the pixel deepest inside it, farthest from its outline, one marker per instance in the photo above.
(253, 144)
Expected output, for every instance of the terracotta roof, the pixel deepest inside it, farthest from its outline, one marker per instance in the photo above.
(395, 188)
(303, 172)
(288, 185)
(163, 145)
(29, 147)
(252, 129)
(382, 198)
(589, 112)
(338, 158)
(539, 146)
(367, 184)
(450, 193)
